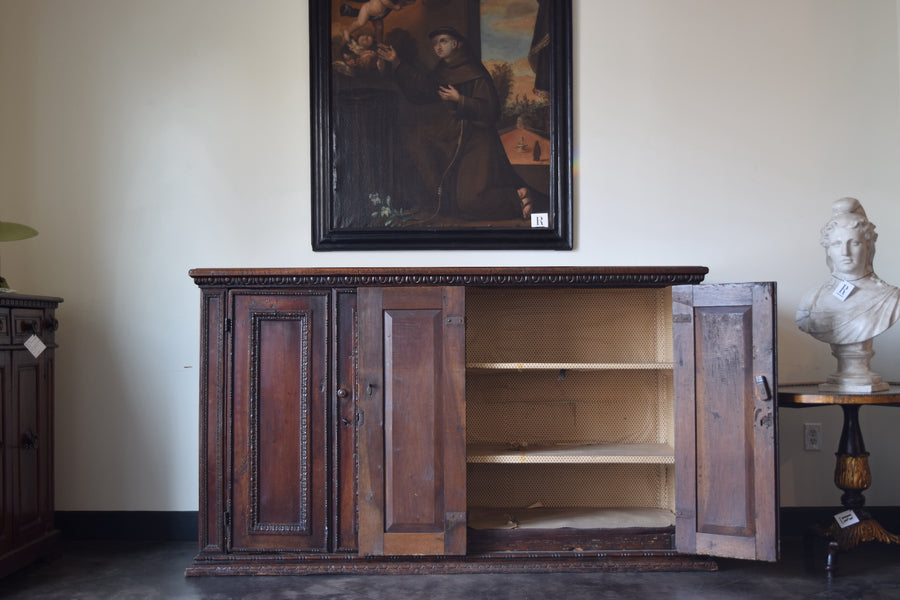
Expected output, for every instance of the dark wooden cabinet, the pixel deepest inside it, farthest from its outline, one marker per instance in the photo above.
(26, 431)
(484, 420)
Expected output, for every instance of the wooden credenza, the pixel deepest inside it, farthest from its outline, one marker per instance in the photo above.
(484, 420)
(26, 431)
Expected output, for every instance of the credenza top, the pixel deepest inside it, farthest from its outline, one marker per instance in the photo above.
(17, 300)
(471, 276)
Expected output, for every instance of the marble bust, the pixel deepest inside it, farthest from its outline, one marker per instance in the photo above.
(854, 305)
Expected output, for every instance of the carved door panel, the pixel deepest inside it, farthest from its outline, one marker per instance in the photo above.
(412, 492)
(725, 437)
(279, 422)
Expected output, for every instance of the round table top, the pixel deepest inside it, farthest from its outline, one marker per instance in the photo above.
(808, 394)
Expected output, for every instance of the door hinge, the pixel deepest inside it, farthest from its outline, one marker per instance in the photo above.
(453, 518)
(228, 324)
(227, 517)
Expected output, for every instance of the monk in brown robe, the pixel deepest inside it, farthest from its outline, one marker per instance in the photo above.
(459, 153)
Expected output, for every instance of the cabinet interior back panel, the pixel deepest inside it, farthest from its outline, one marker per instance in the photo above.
(569, 407)
(575, 407)
(574, 326)
(571, 486)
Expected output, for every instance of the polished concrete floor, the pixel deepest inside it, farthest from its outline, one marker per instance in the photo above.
(155, 570)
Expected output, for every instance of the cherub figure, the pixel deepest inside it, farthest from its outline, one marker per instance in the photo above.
(359, 54)
(371, 10)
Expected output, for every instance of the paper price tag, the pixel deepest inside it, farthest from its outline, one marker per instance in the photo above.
(540, 220)
(35, 345)
(843, 290)
(846, 518)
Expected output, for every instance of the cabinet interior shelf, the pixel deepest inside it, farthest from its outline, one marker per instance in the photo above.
(481, 518)
(663, 454)
(490, 367)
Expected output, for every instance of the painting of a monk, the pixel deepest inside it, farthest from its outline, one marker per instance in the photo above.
(441, 116)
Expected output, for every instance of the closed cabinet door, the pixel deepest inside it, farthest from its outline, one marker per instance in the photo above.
(725, 426)
(278, 429)
(30, 443)
(32, 489)
(6, 453)
(412, 464)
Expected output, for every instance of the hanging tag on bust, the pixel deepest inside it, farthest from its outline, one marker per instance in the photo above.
(35, 345)
(843, 290)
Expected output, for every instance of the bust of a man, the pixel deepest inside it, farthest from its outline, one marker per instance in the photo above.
(854, 305)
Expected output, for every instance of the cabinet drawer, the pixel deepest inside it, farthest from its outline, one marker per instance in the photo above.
(28, 321)
(4, 326)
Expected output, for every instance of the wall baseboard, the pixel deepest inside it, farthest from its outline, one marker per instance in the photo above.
(797, 521)
(182, 525)
(127, 525)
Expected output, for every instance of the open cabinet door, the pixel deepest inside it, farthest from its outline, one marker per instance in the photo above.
(725, 432)
(412, 453)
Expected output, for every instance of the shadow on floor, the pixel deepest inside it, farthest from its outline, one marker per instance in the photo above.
(155, 570)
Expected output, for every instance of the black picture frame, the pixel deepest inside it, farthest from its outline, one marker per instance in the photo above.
(374, 155)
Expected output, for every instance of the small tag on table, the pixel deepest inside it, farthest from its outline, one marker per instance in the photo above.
(35, 345)
(846, 518)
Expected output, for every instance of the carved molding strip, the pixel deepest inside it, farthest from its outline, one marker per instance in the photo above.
(488, 278)
(17, 301)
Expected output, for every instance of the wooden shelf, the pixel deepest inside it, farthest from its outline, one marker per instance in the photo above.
(575, 518)
(663, 454)
(491, 367)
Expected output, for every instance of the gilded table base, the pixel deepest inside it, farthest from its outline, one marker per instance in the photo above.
(867, 530)
(851, 472)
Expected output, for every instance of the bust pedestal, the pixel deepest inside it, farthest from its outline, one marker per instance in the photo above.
(854, 375)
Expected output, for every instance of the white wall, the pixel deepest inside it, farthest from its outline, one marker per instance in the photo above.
(144, 138)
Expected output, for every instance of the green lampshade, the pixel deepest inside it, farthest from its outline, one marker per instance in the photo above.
(10, 232)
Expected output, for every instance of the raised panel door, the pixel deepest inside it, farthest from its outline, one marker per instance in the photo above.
(725, 434)
(412, 441)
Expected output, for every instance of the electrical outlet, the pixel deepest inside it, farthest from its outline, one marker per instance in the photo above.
(812, 436)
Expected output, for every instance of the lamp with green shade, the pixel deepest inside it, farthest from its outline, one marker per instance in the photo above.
(10, 232)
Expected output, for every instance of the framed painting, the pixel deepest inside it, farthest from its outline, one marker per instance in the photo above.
(441, 124)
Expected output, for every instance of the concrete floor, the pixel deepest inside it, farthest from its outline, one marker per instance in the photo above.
(155, 570)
